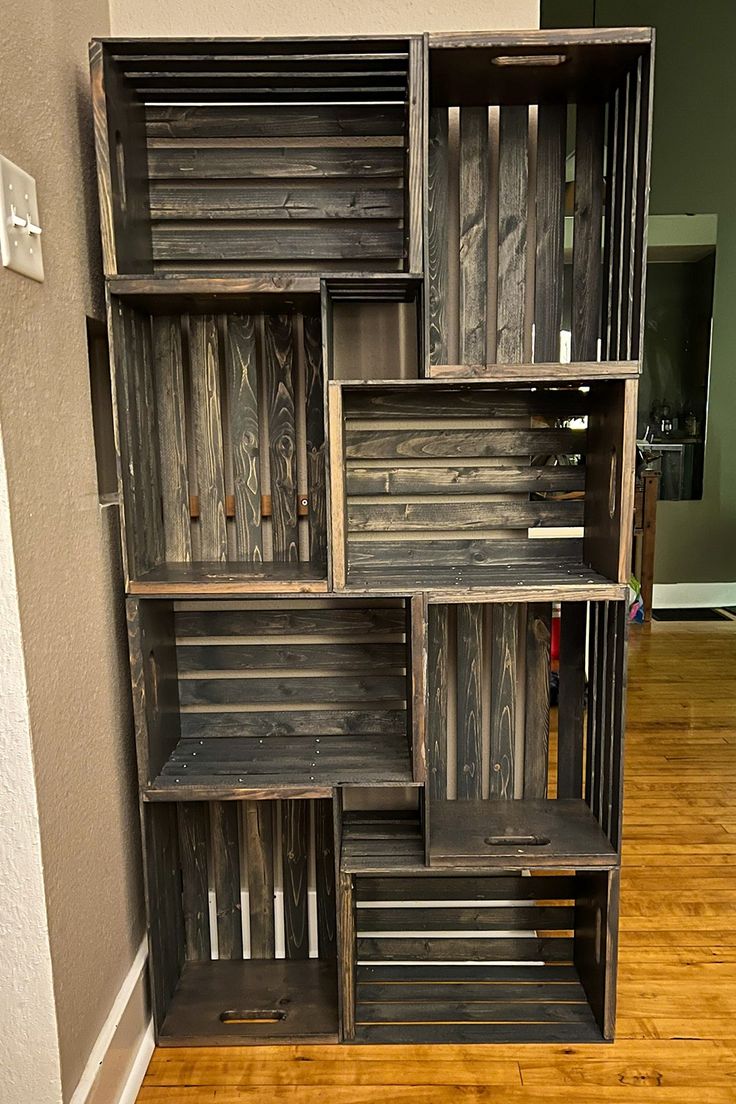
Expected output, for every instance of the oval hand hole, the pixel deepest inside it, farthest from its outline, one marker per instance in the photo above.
(253, 1015)
(516, 841)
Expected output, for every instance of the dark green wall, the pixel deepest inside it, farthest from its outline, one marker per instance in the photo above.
(693, 171)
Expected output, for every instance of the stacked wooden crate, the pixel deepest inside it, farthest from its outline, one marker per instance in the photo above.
(359, 479)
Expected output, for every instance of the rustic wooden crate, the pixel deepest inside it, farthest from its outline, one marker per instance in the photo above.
(373, 327)
(510, 778)
(472, 959)
(508, 115)
(440, 487)
(259, 154)
(265, 698)
(221, 434)
(239, 952)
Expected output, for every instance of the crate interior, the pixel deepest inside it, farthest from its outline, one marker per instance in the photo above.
(524, 138)
(374, 328)
(222, 437)
(481, 485)
(523, 750)
(482, 959)
(256, 154)
(243, 922)
(298, 696)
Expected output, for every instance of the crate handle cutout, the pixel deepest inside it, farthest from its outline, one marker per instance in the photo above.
(612, 483)
(529, 59)
(517, 841)
(253, 1015)
(120, 166)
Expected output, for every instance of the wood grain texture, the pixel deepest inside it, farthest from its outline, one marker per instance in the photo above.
(550, 230)
(315, 431)
(258, 827)
(437, 231)
(225, 843)
(242, 371)
(469, 699)
(586, 263)
(513, 179)
(346, 955)
(204, 357)
(537, 695)
(171, 417)
(473, 199)
(324, 846)
(338, 507)
(416, 684)
(437, 645)
(193, 851)
(294, 850)
(279, 374)
(415, 156)
(504, 661)
(573, 633)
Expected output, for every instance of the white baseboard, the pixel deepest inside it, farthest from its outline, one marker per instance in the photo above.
(693, 595)
(119, 1058)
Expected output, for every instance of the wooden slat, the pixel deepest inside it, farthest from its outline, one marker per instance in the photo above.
(470, 918)
(611, 244)
(327, 240)
(437, 235)
(416, 684)
(242, 371)
(324, 845)
(542, 560)
(315, 121)
(629, 217)
(644, 157)
(225, 843)
(601, 709)
(346, 955)
(594, 659)
(382, 517)
(469, 699)
(195, 886)
(586, 264)
(504, 673)
(295, 846)
(279, 371)
(305, 722)
(348, 622)
(207, 423)
(350, 658)
(350, 688)
(397, 443)
(513, 173)
(478, 888)
(474, 171)
(437, 700)
(185, 201)
(260, 857)
(468, 478)
(439, 949)
(550, 231)
(415, 156)
(164, 902)
(619, 675)
(169, 377)
(410, 400)
(293, 163)
(571, 700)
(536, 717)
(338, 521)
(315, 432)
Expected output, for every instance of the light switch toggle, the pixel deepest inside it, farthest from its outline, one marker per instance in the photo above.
(20, 225)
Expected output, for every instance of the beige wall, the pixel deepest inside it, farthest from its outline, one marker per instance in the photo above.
(304, 17)
(65, 550)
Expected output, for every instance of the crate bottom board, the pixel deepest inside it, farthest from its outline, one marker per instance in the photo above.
(255, 1001)
(405, 1003)
(305, 766)
(182, 579)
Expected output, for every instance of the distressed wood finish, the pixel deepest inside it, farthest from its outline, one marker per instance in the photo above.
(571, 700)
(537, 690)
(504, 659)
(473, 198)
(225, 842)
(550, 230)
(513, 172)
(259, 852)
(279, 367)
(245, 436)
(469, 699)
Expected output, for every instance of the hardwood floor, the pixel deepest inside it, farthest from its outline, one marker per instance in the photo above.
(676, 1034)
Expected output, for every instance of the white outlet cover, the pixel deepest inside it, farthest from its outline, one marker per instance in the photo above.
(20, 248)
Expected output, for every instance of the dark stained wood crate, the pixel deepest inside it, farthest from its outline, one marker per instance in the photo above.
(524, 130)
(465, 959)
(221, 435)
(259, 154)
(442, 487)
(270, 697)
(242, 921)
(373, 327)
(511, 777)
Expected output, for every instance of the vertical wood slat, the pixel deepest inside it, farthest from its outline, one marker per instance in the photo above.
(279, 370)
(164, 903)
(437, 659)
(591, 765)
(225, 844)
(619, 668)
(135, 547)
(415, 155)
(167, 355)
(347, 954)
(631, 197)
(601, 709)
(609, 722)
(573, 623)
(504, 667)
(619, 258)
(644, 158)
(195, 885)
(242, 371)
(295, 852)
(324, 844)
(315, 434)
(416, 684)
(260, 857)
(146, 457)
(469, 701)
(437, 234)
(586, 250)
(536, 719)
(207, 426)
(473, 203)
(337, 547)
(612, 241)
(550, 233)
(513, 179)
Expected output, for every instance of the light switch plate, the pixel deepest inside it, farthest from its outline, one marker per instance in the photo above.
(20, 230)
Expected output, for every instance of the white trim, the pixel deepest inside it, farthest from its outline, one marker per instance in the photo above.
(693, 595)
(99, 1051)
(139, 1067)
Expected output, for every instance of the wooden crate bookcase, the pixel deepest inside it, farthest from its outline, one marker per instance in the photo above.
(361, 471)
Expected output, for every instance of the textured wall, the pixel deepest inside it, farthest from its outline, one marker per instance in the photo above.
(65, 549)
(304, 17)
